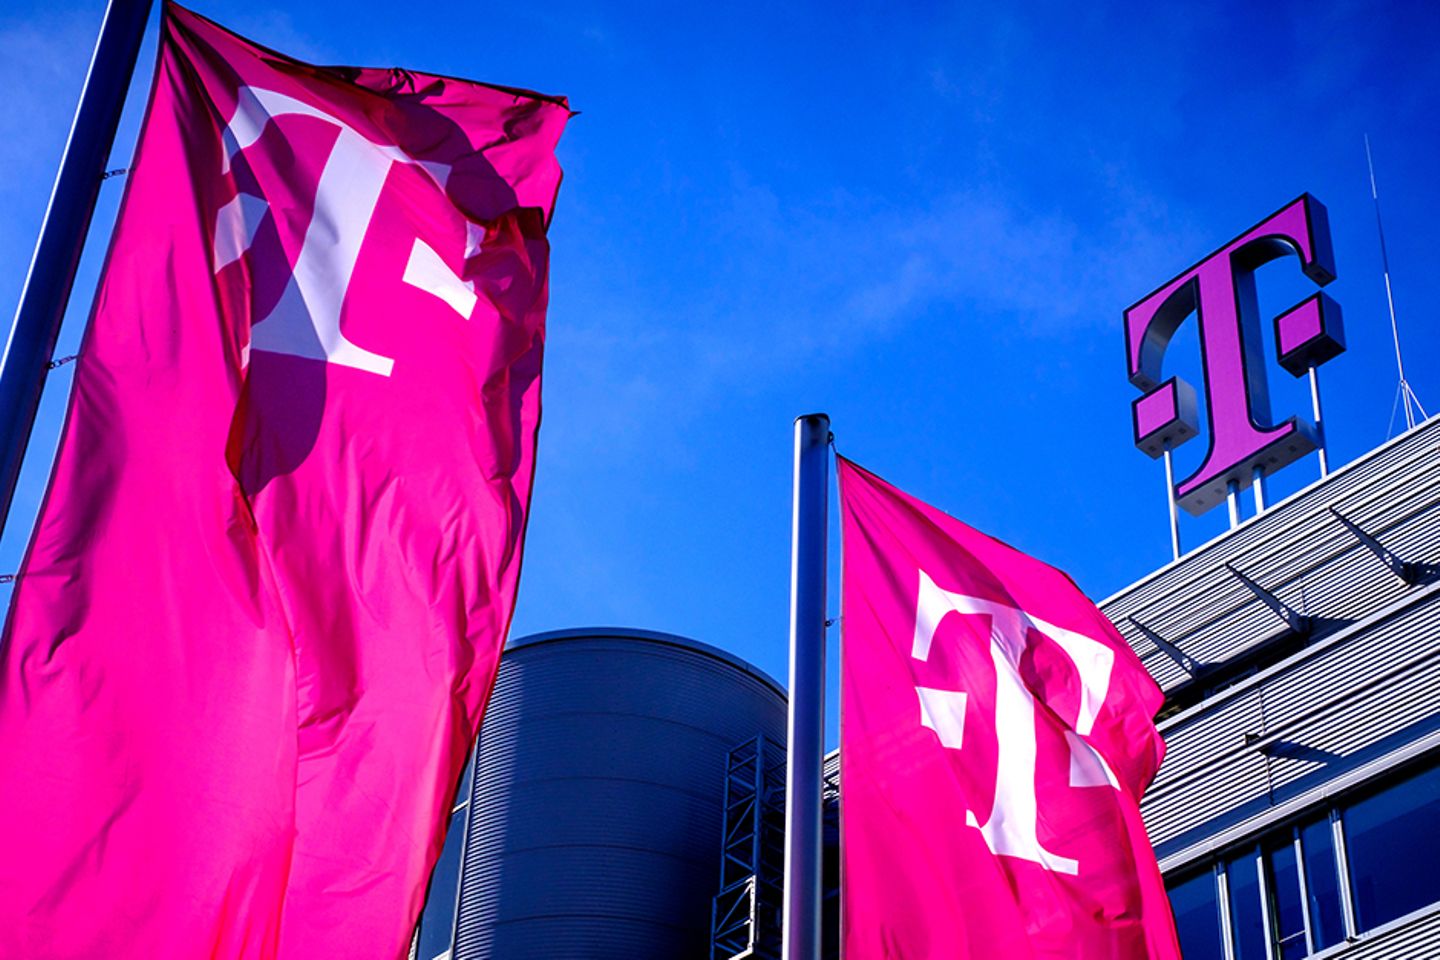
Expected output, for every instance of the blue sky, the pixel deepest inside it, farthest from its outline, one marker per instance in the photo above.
(923, 220)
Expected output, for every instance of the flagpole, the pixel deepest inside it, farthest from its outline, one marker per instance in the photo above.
(62, 237)
(805, 754)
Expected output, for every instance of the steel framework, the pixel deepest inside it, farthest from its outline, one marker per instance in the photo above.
(746, 913)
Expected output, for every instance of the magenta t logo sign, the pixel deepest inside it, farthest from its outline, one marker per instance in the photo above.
(1220, 292)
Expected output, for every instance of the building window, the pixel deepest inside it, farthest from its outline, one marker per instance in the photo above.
(1287, 916)
(1392, 846)
(1288, 896)
(1322, 883)
(1247, 923)
(436, 932)
(1197, 917)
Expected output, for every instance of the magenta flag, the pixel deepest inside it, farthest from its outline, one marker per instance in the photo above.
(996, 736)
(266, 596)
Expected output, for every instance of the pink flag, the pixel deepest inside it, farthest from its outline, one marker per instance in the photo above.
(996, 737)
(266, 596)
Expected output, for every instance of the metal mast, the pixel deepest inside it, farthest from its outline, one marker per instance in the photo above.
(62, 237)
(1404, 395)
(805, 759)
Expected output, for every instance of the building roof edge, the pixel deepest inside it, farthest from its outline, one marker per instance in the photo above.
(647, 636)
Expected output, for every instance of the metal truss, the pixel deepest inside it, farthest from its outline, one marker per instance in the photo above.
(746, 913)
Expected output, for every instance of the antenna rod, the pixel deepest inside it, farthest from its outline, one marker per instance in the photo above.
(1404, 393)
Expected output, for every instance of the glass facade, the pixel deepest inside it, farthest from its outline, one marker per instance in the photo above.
(1247, 921)
(1282, 881)
(1287, 896)
(1392, 846)
(1322, 883)
(437, 919)
(1197, 916)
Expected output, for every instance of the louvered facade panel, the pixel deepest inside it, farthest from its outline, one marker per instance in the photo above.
(1332, 743)
(1415, 939)
(1243, 753)
(1245, 622)
(1347, 585)
(1345, 588)
(1281, 729)
(1208, 771)
(1372, 651)
(1418, 538)
(1390, 497)
(1298, 551)
(1166, 672)
(1200, 748)
(1317, 715)
(1240, 788)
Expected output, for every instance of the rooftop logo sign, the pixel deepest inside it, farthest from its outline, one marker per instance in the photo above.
(1219, 291)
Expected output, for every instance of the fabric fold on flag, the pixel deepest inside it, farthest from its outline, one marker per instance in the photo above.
(997, 735)
(265, 599)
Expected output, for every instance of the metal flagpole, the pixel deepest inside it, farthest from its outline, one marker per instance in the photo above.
(1319, 423)
(62, 237)
(1170, 498)
(805, 756)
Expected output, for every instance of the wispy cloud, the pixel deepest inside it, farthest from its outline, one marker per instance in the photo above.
(824, 283)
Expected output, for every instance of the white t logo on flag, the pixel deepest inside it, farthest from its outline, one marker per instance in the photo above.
(1011, 829)
(306, 320)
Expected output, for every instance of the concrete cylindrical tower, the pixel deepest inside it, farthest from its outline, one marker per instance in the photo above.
(597, 813)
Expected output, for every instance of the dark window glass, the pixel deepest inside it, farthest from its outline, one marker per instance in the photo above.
(1393, 845)
(1246, 908)
(1287, 915)
(1322, 883)
(462, 795)
(1197, 917)
(437, 920)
